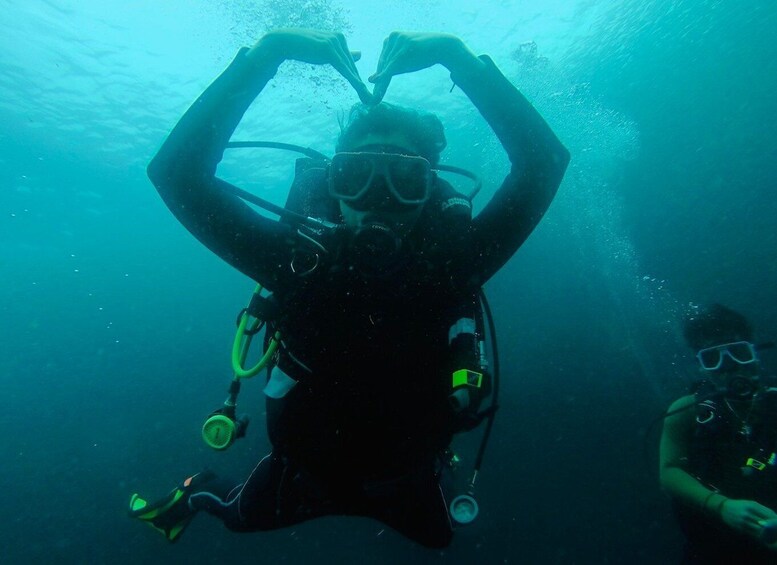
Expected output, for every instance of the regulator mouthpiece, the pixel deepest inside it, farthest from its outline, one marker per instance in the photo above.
(741, 387)
(376, 249)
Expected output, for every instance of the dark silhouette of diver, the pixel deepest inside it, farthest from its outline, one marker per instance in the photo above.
(376, 313)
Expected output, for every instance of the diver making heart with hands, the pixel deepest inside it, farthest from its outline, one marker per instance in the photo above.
(375, 321)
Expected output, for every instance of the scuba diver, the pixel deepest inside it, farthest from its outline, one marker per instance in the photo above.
(374, 281)
(719, 446)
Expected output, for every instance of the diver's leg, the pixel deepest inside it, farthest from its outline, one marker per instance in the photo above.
(248, 506)
(276, 494)
(417, 510)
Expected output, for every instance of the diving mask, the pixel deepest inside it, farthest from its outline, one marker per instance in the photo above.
(408, 179)
(740, 352)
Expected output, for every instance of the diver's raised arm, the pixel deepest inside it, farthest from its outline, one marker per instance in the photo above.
(537, 156)
(538, 162)
(184, 169)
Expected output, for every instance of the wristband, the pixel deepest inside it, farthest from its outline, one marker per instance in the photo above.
(706, 500)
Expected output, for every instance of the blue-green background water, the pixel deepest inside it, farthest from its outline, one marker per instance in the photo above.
(116, 324)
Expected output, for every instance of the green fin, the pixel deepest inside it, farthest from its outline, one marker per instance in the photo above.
(171, 514)
(137, 503)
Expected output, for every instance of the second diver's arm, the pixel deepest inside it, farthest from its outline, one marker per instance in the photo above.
(673, 460)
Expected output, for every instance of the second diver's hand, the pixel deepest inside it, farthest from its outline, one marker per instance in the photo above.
(407, 52)
(310, 46)
(745, 516)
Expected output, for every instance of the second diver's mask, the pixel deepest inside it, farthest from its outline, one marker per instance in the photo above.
(739, 352)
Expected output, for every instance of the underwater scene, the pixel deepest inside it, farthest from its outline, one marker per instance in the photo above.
(118, 327)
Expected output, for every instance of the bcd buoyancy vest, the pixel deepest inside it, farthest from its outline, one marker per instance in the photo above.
(735, 450)
(437, 273)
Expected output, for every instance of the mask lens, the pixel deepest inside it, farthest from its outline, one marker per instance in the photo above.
(410, 178)
(742, 352)
(710, 359)
(350, 176)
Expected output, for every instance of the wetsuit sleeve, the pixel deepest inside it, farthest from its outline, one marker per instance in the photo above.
(673, 460)
(184, 173)
(538, 161)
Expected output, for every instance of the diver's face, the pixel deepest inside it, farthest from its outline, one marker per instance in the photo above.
(737, 384)
(726, 373)
(382, 209)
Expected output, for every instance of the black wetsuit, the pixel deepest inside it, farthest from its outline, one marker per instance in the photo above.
(718, 456)
(360, 432)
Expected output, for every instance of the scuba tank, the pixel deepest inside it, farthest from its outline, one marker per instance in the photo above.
(469, 389)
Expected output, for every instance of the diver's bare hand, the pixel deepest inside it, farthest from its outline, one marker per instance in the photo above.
(407, 52)
(746, 516)
(314, 47)
(768, 533)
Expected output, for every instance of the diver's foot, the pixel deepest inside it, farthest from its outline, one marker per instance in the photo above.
(171, 514)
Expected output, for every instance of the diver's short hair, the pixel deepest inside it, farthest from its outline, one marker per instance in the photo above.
(425, 130)
(714, 325)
